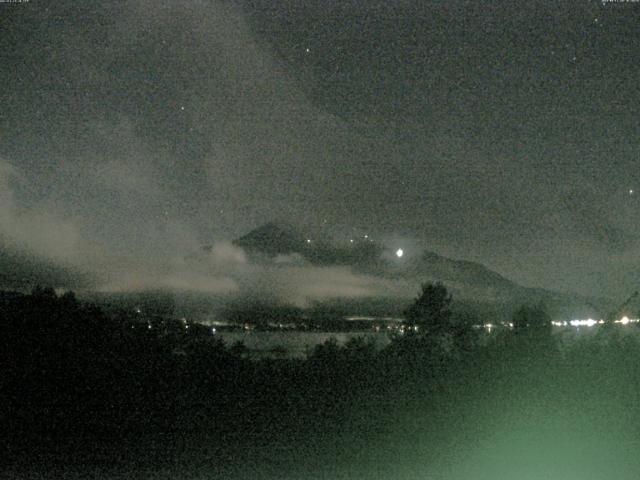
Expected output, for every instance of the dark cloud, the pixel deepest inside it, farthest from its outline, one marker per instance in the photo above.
(502, 132)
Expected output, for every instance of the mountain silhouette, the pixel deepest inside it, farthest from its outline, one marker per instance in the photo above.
(467, 280)
(279, 238)
(274, 238)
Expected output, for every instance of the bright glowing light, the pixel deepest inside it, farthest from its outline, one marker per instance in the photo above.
(399, 253)
(626, 320)
(631, 191)
(590, 322)
(308, 240)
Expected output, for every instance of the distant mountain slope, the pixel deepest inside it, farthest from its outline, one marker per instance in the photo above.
(21, 271)
(458, 271)
(473, 282)
(274, 238)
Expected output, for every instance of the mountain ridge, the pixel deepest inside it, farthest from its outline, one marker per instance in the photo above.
(467, 280)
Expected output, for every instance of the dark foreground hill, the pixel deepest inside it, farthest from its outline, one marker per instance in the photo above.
(83, 396)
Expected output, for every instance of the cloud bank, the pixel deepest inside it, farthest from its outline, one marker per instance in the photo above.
(51, 237)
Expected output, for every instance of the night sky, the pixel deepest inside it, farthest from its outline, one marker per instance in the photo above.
(132, 133)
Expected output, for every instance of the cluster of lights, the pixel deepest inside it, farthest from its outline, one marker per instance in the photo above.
(183, 321)
(405, 328)
(384, 319)
(401, 329)
(590, 322)
(365, 237)
(626, 320)
(351, 240)
(490, 326)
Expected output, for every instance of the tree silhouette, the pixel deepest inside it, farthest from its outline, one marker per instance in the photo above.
(430, 312)
(39, 293)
